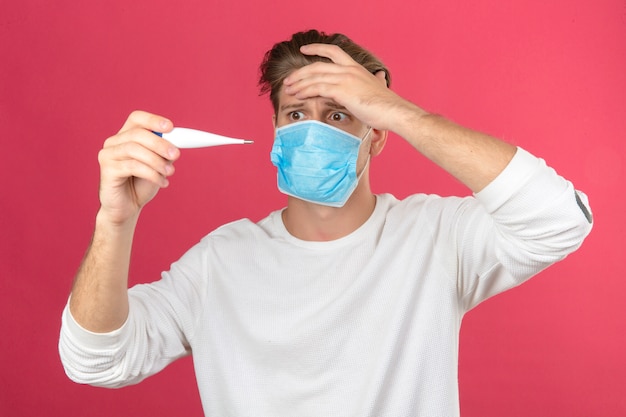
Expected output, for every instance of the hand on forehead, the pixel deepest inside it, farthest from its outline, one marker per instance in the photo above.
(343, 80)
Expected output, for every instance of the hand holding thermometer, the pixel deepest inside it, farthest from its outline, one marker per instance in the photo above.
(183, 137)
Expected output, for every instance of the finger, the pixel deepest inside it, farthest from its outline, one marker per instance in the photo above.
(330, 79)
(134, 169)
(332, 52)
(147, 139)
(130, 160)
(319, 85)
(135, 151)
(147, 121)
(316, 71)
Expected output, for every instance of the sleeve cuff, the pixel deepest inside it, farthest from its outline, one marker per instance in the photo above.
(514, 175)
(91, 339)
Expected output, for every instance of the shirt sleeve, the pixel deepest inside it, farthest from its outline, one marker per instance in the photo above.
(161, 322)
(531, 218)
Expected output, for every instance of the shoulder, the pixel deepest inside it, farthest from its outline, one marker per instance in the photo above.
(244, 229)
(432, 217)
(426, 205)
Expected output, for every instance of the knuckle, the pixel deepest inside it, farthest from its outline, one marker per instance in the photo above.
(135, 114)
(102, 156)
(109, 141)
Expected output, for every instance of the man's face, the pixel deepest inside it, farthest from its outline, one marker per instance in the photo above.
(293, 110)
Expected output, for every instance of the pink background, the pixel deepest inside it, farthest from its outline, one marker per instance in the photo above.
(548, 76)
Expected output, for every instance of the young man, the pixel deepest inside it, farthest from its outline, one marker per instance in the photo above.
(349, 303)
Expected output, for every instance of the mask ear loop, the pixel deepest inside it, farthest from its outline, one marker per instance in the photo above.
(358, 178)
(369, 130)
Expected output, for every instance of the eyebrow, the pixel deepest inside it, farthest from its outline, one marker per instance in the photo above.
(295, 106)
(291, 106)
(334, 105)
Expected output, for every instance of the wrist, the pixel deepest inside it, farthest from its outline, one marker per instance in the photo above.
(409, 119)
(115, 222)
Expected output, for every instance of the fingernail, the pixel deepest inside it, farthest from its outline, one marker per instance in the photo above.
(164, 123)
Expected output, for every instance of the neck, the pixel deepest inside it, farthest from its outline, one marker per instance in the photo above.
(314, 222)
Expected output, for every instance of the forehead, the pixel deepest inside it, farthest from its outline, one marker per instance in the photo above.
(291, 103)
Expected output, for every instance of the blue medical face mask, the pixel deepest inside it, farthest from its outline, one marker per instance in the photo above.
(316, 162)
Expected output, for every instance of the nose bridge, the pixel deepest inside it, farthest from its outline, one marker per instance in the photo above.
(316, 109)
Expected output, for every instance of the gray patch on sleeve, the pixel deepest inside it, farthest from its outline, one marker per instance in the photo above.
(584, 208)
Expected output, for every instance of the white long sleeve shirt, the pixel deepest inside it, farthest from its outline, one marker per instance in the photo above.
(366, 325)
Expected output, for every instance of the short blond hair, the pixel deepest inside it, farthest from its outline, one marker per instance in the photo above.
(285, 57)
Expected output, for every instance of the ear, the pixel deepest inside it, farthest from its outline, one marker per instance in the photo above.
(274, 121)
(379, 138)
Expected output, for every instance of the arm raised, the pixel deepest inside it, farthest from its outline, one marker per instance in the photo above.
(134, 165)
(472, 157)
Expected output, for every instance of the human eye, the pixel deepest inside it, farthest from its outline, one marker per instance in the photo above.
(295, 116)
(338, 116)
